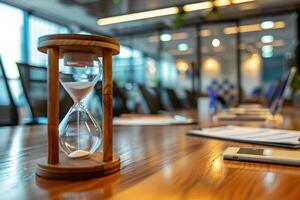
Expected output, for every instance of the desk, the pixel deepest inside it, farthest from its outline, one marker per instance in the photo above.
(157, 163)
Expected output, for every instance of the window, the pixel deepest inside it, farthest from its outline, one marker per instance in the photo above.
(39, 27)
(121, 64)
(11, 21)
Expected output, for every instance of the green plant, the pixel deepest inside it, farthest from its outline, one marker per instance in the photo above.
(179, 20)
(295, 85)
(116, 1)
(215, 12)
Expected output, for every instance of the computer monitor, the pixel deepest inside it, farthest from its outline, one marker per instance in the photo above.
(279, 97)
(272, 93)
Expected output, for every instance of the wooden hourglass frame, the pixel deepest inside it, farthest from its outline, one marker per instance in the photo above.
(57, 165)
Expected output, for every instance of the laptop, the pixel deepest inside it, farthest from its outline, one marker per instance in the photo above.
(260, 114)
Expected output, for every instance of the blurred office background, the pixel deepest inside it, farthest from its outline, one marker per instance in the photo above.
(240, 51)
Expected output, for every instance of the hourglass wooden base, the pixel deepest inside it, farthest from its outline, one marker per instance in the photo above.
(77, 169)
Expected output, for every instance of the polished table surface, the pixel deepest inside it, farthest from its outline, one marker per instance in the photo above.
(159, 162)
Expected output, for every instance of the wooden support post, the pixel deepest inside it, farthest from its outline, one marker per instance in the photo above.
(53, 105)
(107, 88)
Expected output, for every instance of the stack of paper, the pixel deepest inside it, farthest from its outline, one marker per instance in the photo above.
(148, 121)
(275, 137)
(242, 116)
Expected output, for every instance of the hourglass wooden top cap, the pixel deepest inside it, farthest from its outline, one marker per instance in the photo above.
(77, 42)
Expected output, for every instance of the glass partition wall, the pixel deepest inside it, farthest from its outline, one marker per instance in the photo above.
(239, 59)
(178, 58)
(219, 69)
(39, 27)
(137, 62)
(268, 46)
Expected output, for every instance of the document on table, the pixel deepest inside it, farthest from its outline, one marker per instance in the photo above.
(227, 116)
(266, 136)
(148, 121)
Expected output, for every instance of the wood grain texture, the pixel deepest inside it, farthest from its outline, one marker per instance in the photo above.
(107, 92)
(78, 169)
(75, 42)
(107, 73)
(53, 106)
(156, 163)
(91, 37)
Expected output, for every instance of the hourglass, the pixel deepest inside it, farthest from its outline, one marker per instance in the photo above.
(77, 147)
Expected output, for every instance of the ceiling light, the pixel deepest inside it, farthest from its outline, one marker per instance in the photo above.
(182, 66)
(221, 3)
(211, 65)
(267, 39)
(180, 36)
(250, 28)
(267, 54)
(205, 33)
(151, 67)
(267, 51)
(138, 16)
(248, 6)
(279, 24)
(252, 63)
(182, 47)
(241, 1)
(216, 42)
(267, 25)
(208, 4)
(165, 37)
(197, 6)
(167, 11)
(168, 37)
(231, 30)
(267, 48)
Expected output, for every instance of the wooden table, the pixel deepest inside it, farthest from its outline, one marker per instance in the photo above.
(159, 162)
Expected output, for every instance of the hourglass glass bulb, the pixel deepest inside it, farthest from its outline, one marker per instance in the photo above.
(80, 134)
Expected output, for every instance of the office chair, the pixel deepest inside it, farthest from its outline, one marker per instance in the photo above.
(34, 84)
(119, 99)
(8, 112)
(152, 99)
(191, 99)
(174, 99)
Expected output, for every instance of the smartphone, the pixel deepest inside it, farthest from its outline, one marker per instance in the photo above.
(284, 157)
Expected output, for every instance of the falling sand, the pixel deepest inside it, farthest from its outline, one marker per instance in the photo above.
(78, 90)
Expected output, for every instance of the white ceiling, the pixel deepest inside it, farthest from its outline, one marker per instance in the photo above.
(57, 11)
(79, 12)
